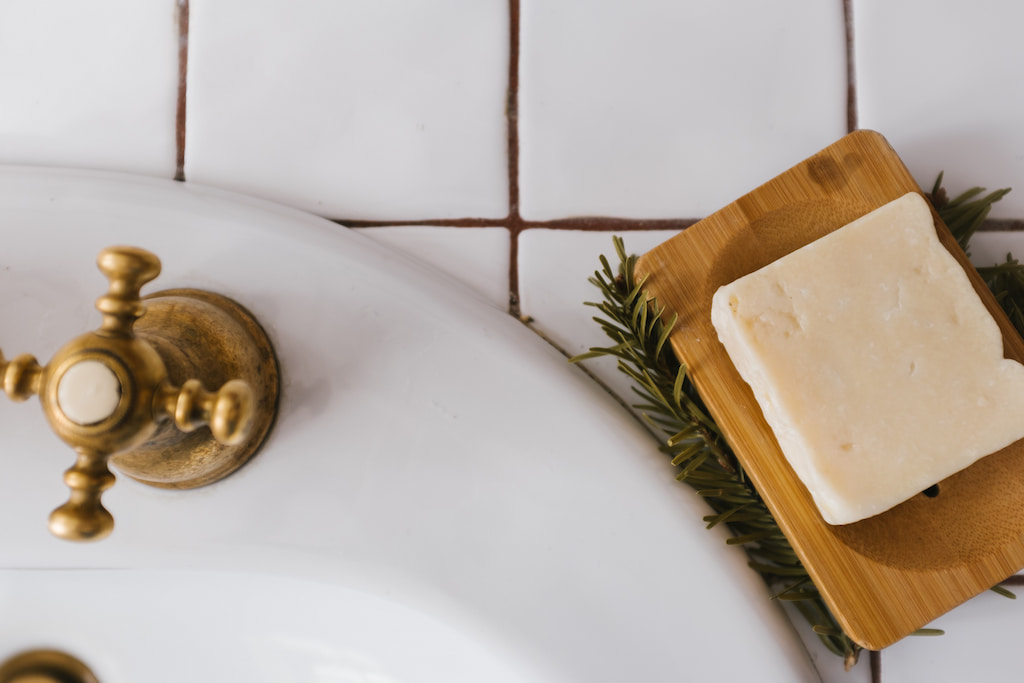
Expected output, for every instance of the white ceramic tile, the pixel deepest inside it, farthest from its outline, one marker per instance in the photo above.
(940, 81)
(476, 257)
(554, 268)
(659, 109)
(89, 84)
(981, 642)
(385, 109)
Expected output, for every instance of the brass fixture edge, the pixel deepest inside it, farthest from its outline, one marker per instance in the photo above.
(204, 335)
(45, 665)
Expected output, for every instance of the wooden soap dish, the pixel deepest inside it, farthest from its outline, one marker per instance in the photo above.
(889, 575)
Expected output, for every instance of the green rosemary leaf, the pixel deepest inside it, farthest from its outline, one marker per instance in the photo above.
(796, 592)
(1006, 593)
(620, 248)
(715, 520)
(652, 386)
(964, 214)
(635, 293)
(666, 425)
(611, 329)
(587, 355)
(621, 350)
(640, 320)
(729, 499)
(600, 282)
(826, 630)
(677, 385)
(963, 197)
(754, 537)
(601, 306)
(698, 461)
(646, 392)
(928, 632)
(730, 515)
(665, 333)
(690, 450)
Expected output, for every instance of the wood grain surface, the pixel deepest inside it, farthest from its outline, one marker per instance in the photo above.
(886, 576)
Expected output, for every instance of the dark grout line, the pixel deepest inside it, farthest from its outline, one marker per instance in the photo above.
(438, 222)
(582, 224)
(610, 224)
(515, 222)
(512, 111)
(179, 117)
(1002, 225)
(875, 662)
(514, 308)
(851, 69)
(594, 224)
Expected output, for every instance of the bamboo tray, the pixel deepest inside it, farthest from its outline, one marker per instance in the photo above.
(886, 576)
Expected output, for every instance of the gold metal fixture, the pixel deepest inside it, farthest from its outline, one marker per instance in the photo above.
(45, 666)
(134, 391)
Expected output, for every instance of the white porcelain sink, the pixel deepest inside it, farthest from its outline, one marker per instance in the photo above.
(443, 498)
(214, 626)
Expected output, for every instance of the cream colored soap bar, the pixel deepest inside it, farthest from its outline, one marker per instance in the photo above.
(874, 361)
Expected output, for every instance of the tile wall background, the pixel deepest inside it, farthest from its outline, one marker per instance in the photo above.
(505, 141)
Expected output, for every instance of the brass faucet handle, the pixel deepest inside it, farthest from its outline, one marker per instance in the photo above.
(127, 269)
(97, 392)
(21, 376)
(229, 412)
(83, 517)
(113, 394)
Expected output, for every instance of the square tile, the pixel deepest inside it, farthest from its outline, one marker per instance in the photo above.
(659, 109)
(478, 258)
(386, 109)
(89, 84)
(940, 81)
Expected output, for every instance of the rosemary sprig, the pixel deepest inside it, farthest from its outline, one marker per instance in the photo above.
(1006, 280)
(671, 404)
(964, 214)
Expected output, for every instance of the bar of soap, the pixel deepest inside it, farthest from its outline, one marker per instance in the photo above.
(874, 361)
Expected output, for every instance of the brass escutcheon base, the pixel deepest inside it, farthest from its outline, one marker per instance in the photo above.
(210, 337)
(45, 666)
